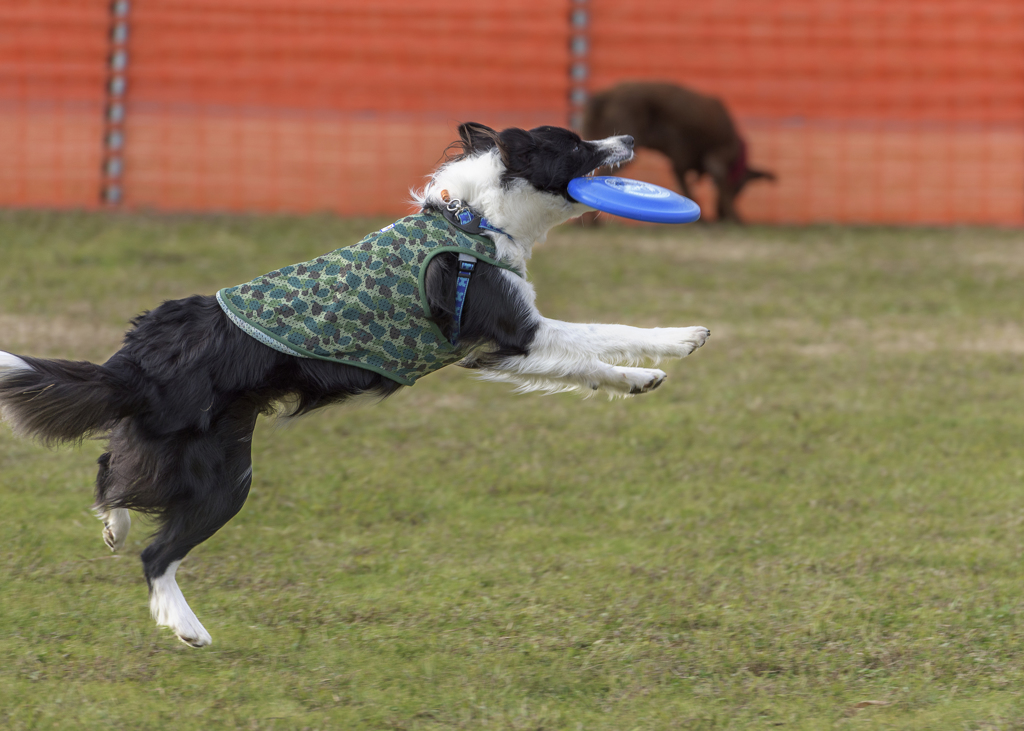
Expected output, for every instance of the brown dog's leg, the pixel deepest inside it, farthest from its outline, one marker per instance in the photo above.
(680, 171)
(727, 205)
(684, 187)
(719, 172)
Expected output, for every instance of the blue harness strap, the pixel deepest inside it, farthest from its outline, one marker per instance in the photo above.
(466, 219)
(467, 264)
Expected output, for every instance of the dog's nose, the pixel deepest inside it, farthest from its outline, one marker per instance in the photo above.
(628, 139)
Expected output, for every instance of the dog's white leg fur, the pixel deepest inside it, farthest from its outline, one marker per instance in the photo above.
(9, 360)
(168, 606)
(570, 356)
(617, 343)
(539, 374)
(116, 523)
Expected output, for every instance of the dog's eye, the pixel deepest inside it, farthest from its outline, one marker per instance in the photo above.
(576, 148)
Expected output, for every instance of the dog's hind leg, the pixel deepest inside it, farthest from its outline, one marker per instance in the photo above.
(168, 606)
(718, 169)
(680, 170)
(116, 521)
(186, 525)
(216, 473)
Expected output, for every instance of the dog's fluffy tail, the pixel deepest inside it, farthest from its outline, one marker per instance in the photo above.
(62, 401)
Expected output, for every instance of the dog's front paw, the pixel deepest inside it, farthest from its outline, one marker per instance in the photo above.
(639, 380)
(684, 340)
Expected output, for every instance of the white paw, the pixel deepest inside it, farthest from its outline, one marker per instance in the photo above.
(195, 638)
(169, 609)
(682, 341)
(116, 523)
(639, 380)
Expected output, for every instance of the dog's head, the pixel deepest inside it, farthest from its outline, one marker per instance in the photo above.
(519, 179)
(546, 158)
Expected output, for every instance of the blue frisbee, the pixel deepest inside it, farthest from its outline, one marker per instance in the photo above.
(633, 199)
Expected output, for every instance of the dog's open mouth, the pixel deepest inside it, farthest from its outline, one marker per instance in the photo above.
(614, 162)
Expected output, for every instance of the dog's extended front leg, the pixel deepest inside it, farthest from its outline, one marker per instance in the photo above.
(616, 343)
(537, 373)
(567, 355)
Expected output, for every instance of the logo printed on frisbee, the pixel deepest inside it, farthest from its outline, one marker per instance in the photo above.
(637, 188)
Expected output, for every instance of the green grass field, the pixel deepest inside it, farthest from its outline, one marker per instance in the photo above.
(820, 509)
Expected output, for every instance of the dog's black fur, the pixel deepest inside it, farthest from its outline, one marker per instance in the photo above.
(180, 402)
(180, 399)
(546, 157)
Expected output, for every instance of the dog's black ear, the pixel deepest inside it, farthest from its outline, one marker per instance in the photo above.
(477, 137)
(516, 146)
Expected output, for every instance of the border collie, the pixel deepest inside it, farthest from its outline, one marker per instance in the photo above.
(179, 401)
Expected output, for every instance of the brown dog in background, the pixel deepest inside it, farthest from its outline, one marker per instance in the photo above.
(693, 130)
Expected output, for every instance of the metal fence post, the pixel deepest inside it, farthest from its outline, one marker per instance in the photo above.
(579, 68)
(112, 186)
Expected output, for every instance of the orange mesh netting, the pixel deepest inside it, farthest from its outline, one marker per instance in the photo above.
(325, 105)
(869, 111)
(896, 111)
(53, 67)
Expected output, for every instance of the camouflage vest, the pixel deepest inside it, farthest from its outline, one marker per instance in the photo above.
(364, 305)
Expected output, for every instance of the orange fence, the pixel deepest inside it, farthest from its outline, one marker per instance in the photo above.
(896, 111)
(899, 111)
(304, 105)
(53, 69)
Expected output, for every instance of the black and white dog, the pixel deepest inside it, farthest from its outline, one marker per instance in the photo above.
(179, 401)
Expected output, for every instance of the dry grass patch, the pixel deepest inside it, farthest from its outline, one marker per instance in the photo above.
(58, 337)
